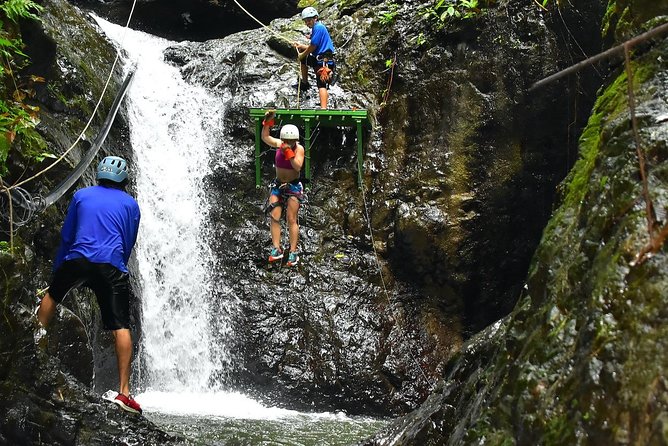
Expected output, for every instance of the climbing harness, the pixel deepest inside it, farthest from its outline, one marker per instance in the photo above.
(285, 195)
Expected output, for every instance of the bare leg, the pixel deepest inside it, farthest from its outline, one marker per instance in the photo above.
(293, 227)
(275, 223)
(324, 96)
(123, 342)
(47, 308)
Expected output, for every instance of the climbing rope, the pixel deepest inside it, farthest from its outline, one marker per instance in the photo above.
(382, 281)
(90, 120)
(280, 36)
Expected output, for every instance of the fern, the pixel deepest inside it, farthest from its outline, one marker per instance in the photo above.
(17, 9)
(16, 117)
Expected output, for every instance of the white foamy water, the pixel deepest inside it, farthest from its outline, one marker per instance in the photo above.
(172, 129)
(221, 404)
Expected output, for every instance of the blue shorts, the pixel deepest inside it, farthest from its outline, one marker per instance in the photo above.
(286, 190)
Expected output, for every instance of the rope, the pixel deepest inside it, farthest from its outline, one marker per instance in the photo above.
(382, 280)
(280, 36)
(275, 33)
(386, 96)
(649, 206)
(11, 225)
(97, 106)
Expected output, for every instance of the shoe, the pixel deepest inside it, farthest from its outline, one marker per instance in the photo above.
(302, 86)
(127, 403)
(293, 259)
(275, 255)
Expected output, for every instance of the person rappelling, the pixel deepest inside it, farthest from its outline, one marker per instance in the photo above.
(318, 54)
(286, 189)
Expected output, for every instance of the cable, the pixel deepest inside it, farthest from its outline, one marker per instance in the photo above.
(97, 106)
(19, 206)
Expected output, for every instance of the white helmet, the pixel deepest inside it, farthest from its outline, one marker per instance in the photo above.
(309, 12)
(290, 132)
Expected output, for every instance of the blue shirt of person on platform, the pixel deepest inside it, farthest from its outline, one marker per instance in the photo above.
(321, 40)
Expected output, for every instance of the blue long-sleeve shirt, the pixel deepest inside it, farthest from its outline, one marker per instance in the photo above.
(101, 226)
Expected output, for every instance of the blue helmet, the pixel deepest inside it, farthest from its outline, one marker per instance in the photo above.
(112, 168)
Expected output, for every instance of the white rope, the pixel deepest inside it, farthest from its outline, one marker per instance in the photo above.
(280, 36)
(382, 280)
(262, 24)
(97, 106)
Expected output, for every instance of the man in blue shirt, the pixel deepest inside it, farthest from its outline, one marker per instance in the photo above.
(318, 54)
(97, 238)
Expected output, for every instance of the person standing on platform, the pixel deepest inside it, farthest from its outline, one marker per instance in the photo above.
(318, 54)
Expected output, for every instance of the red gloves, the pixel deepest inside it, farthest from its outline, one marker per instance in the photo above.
(325, 74)
(269, 118)
(288, 153)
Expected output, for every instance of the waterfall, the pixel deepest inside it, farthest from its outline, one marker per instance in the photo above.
(172, 130)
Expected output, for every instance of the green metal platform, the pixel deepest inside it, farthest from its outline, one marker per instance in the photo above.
(309, 117)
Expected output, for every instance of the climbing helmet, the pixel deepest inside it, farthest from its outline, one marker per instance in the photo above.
(309, 13)
(290, 132)
(112, 168)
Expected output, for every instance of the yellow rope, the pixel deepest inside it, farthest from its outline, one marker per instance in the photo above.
(97, 106)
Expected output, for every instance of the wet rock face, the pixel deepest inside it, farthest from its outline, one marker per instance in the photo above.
(190, 19)
(460, 171)
(47, 380)
(45, 394)
(582, 358)
(471, 159)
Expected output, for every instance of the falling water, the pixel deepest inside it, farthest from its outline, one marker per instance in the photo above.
(173, 127)
(172, 124)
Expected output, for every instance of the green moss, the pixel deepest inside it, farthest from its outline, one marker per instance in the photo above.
(626, 18)
(608, 106)
(559, 431)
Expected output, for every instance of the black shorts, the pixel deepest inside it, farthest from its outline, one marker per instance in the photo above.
(110, 285)
(317, 62)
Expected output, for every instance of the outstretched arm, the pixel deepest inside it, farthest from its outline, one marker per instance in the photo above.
(267, 123)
